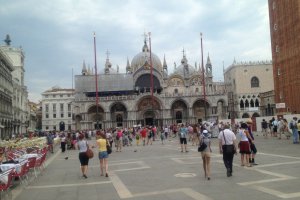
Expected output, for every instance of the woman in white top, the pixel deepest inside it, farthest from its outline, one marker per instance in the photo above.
(82, 146)
(244, 145)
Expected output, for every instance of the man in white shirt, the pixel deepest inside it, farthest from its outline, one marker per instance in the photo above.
(227, 146)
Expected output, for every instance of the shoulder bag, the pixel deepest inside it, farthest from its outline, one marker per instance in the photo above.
(228, 149)
(89, 153)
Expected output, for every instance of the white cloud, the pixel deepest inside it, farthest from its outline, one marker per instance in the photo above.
(57, 35)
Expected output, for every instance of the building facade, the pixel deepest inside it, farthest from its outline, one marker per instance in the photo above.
(6, 95)
(285, 28)
(244, 83)
(20, 94)
(57, 109)
(126, 99)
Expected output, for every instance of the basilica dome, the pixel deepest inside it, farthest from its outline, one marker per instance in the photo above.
(142, 59)
(185, 69)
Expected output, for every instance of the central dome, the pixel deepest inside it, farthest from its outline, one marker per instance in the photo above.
(142, 59)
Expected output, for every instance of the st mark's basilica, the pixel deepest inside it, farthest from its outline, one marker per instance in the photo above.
(125, 99)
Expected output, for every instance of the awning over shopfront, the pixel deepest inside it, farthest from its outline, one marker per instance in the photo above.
(1, 126)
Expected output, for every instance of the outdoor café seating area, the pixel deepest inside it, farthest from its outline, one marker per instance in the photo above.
(21, 160)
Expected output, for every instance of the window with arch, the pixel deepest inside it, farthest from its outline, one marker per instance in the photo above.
(254, 82)
(176, 91)
(251, 103)
(242, 105)
(247, 103)
(197, 90)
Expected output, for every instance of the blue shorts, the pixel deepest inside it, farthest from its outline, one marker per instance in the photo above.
(103, 154)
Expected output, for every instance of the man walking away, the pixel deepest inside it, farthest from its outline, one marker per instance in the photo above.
(227, 142)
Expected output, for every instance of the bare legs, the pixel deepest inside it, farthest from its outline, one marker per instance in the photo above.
(245, 160)
(84, 170)
(104, 166)
(206, 166)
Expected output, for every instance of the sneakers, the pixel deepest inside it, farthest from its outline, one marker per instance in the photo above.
(84, 176)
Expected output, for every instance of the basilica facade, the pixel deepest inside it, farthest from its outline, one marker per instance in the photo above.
(126, 99)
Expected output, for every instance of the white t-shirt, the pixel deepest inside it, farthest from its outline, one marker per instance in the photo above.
(229, 135)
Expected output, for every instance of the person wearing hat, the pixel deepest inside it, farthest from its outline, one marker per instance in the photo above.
(205, 154)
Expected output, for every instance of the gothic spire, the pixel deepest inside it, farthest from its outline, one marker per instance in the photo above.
(128, 67)
(84, 70)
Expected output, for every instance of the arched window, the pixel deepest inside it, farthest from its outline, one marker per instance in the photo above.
(197, 90)
(251, 103)
(256, 103)
(247, 103)
(176, 91)
(254, 82)
(242, 105)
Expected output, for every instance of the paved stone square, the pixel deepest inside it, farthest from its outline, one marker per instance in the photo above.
(162, 172)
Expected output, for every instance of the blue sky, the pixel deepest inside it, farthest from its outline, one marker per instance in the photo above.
(57, 35)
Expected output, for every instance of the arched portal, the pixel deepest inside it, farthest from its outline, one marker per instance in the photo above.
(179, 111)
(149, 112)
(96, 115)
(118, 113)
(199, 110)
(245, 115)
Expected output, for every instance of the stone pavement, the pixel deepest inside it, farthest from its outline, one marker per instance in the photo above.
(163, 172)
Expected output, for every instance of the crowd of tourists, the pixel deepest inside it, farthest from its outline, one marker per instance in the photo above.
(279, 127)
(232, 139)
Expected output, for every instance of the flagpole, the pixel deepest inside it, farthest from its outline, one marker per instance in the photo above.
(151, 69)
(96, 82)
(203, 78)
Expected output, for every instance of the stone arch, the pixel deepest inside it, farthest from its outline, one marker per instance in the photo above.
(96, 116)
(255, 115)
(251, 103)
(143, 84)
(119, 113)
(179, 111)
(246, 103)
(148, 112)
(245, 115)
(242, 105)
(199, 109)
(256, 103)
